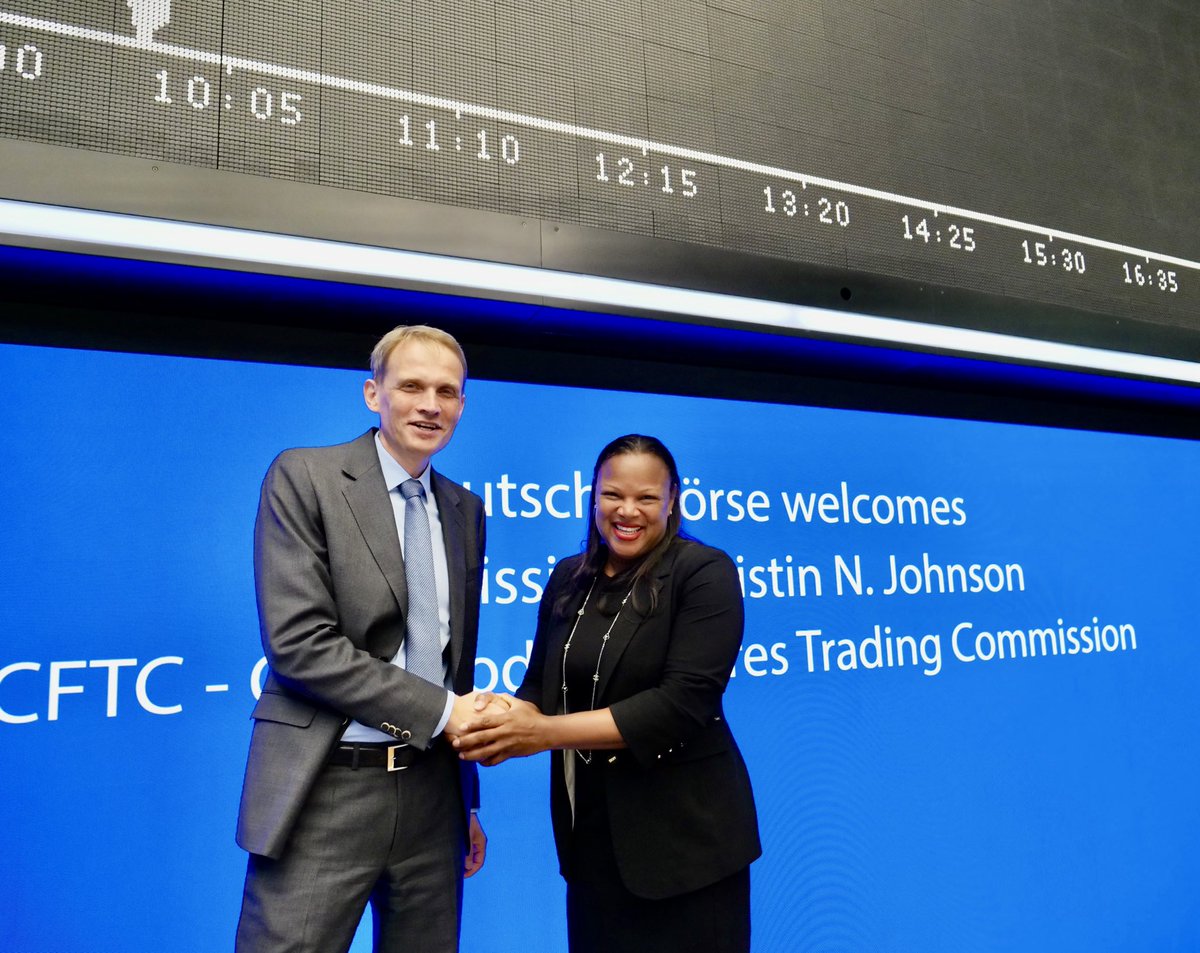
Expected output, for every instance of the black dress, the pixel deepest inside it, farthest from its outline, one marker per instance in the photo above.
(602, 915)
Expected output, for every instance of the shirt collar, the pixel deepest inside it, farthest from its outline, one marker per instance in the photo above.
(394, 474)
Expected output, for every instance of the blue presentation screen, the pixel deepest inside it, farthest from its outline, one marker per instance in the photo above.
(966, 695)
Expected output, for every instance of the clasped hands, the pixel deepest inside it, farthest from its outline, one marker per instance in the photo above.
(490, 728)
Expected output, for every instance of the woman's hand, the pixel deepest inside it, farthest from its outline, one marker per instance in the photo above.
(467, 707)
(493, 736)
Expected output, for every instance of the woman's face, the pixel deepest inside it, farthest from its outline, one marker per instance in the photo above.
(633, 501)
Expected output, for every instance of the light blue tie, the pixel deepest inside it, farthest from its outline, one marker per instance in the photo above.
(423, 646)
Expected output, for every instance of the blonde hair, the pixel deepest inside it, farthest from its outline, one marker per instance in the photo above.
(413, 332)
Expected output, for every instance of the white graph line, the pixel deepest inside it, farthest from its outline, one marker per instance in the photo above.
(460, 108)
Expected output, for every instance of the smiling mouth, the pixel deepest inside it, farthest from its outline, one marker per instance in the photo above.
(625, 532)
(425, 426)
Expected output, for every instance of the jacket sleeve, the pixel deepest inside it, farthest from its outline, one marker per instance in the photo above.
(308, 653)
(705, 634)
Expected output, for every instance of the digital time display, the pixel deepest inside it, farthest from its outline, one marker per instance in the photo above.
(860, 139)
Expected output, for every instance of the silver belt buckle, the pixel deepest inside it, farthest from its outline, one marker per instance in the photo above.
(391, 762)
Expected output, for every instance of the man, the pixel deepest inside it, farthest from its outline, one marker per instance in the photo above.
(367, 568)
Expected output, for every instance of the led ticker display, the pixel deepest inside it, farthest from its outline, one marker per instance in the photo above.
(1044, 152)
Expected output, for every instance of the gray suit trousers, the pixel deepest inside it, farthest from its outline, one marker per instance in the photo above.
(394, 840)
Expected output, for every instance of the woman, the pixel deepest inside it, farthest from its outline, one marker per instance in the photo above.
(653, 815)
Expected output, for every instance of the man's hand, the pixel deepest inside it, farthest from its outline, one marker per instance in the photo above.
(493, 736)
(476, 847)
(468, 707)
(490, 701)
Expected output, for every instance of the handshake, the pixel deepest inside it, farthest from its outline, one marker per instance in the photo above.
(490, 728)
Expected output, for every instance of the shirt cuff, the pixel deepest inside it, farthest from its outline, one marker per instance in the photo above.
(445, 720)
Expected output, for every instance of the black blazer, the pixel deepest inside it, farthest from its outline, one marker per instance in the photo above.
(679, 800)
(331, 602)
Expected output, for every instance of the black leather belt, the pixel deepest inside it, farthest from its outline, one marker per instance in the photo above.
(364, 755)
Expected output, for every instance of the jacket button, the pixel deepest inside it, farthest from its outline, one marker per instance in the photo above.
(406, 734)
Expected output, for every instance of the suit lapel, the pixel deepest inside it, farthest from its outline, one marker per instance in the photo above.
(628, 624)
(367, 496)
(552, 676)
(454, 534)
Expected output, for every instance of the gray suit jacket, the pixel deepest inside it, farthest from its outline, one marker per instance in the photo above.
(331, 602)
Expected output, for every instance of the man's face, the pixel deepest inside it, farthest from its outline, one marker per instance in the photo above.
(418, 401)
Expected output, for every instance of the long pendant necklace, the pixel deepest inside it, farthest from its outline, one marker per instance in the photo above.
(587, 758)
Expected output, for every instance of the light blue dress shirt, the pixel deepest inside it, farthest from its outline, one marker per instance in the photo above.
(393, 476)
